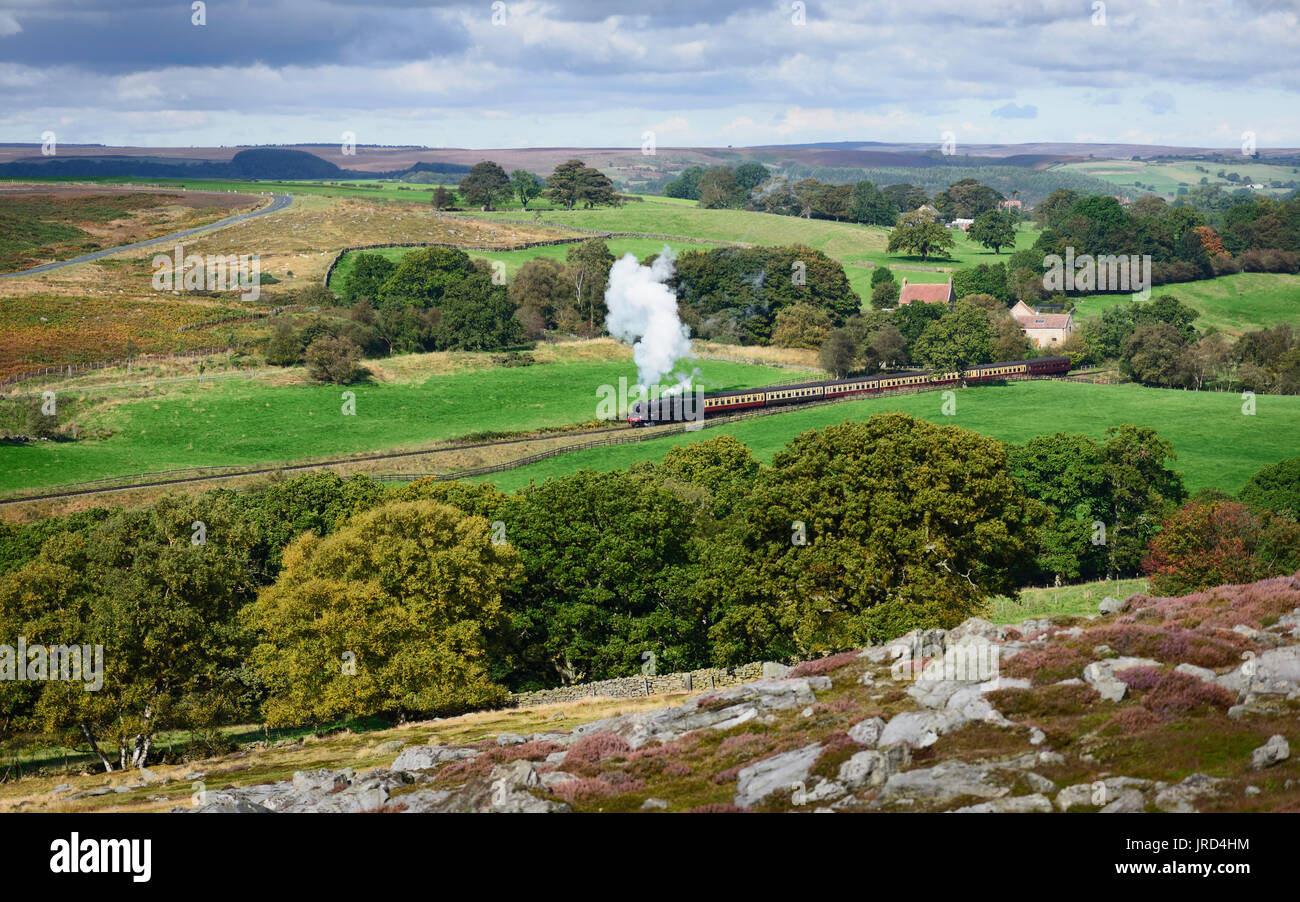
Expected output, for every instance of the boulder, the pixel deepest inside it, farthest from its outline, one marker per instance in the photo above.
(719, 710)
(1078, 794)
(1039, 783)
(944, 782)
(870, 768)
(654, 805)
(1030, 804)
(1275, 751)
(1129, 801)
(1100, 675)
(867, 732)
(779, 772)
(1178, 799)
(921, 728)
(322, 780)
(427, 757)
(975, 629)
(1110, 605)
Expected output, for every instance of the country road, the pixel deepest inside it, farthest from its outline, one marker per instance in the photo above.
(279, 202)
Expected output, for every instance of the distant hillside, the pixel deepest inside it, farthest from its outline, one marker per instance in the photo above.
(267, 163)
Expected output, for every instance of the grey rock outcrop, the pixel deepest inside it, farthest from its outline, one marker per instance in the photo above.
(779, 772)
(1275, 751)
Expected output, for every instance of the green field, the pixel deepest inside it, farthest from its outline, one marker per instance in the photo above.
(1216, 444)
(1166, 177)
(1233, 304)
(1076, 601)
(842, 240)
(236, 422)
(846, 242)
(966, 253)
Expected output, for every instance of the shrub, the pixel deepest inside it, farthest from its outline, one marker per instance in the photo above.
(1047, 665)
(739, 741)
(1049, 701)
(1173, 646)
(585, 789)
(1131, 720)
(334, 360)
(593, 749)
(1178, 693)
(1140, 679)
(823, 666)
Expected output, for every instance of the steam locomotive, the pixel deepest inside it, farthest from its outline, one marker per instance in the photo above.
(686, 407)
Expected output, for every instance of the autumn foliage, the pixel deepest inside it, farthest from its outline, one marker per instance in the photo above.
(1222, 542)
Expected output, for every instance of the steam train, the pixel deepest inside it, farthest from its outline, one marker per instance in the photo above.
(684, 407)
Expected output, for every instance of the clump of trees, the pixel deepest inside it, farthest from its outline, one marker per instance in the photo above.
(736, 294)
(919, 233)
(574, 184)
(1213, 543)
(315, 599)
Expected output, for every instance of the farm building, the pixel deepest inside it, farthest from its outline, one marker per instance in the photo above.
(934, 293)
(1043, 329)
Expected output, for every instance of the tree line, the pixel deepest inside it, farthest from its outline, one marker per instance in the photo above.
(311, 599)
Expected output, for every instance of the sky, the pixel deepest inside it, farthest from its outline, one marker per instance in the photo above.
(602, 74)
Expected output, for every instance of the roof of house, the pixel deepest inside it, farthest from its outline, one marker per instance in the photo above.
(1044, 321)
(930, 293)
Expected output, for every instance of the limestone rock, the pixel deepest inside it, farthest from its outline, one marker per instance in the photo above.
(1177, 799)
(1030, 804)
(867, 732)
(1129, 801)
(759, 780)
(944, 782)
(1111, 605)
(1275, 751)
(427, 757)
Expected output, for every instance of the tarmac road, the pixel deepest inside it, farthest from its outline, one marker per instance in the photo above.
(279, 202)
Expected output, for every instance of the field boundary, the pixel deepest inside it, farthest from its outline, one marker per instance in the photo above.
(651, 684)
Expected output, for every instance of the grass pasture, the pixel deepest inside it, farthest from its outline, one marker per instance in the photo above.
(233, 422)
(1051, 601)
(1234, 304)
(841, 240)
(1166, 177)
(1217, 446)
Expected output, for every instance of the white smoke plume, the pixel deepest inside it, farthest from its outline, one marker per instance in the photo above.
(643, 313)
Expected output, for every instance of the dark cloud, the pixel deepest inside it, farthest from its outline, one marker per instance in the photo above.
(149, 35)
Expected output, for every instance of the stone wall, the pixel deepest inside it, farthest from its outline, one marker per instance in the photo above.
(641, 686)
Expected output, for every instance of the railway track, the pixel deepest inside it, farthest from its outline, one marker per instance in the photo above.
(613, 435)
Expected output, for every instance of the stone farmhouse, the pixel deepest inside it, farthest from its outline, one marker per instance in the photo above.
(1045, 330)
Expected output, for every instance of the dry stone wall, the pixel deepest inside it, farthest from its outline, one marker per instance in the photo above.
(641, 686)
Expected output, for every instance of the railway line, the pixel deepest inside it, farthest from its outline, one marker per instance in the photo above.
(612, 435)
